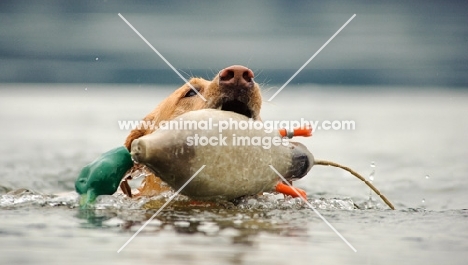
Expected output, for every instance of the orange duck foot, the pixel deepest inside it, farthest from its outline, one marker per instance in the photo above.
(291, 191)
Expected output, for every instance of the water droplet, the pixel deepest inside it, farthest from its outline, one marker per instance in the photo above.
(371, 178)
(97, 58)
(86, 88)
(427, 176)
(372, 173)
(423, 200)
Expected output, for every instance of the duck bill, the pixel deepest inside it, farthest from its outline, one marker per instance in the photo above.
(87, 199)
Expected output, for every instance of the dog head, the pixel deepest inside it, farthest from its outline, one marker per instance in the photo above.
(232, 89)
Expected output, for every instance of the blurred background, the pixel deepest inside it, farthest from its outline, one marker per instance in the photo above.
(70, 70)
(415, 43)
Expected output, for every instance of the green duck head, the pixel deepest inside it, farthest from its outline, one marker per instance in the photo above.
(103, 175)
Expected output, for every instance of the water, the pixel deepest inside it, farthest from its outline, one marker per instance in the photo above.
(50, 131)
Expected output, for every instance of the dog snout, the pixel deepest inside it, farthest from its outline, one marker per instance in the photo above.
(236, 75)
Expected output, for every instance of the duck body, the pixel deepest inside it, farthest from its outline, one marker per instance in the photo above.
(237, 162)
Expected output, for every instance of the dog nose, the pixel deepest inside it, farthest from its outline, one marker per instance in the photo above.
(237, 75)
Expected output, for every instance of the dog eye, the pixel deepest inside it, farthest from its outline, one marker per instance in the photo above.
(190, 93)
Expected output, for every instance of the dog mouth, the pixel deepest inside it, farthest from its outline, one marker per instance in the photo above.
(237, 107)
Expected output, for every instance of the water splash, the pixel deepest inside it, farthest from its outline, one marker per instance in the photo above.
(27, 198)
(271, 201)
(118, 202)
